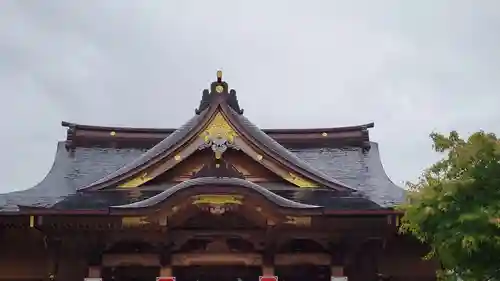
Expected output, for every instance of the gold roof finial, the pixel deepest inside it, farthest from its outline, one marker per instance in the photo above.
(219, 75)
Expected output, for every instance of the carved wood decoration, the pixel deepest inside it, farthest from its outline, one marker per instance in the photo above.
(217, 204)
(184, 208)
(217, 199)
(218, 216)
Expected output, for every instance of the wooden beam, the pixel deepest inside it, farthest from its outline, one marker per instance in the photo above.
(247, 259)
(114, 260)
(302, 258)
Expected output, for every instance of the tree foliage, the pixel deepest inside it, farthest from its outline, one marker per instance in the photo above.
(455, 207)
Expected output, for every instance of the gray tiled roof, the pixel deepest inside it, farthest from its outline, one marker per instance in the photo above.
(358, 168)
(161, 147)
(72, 170)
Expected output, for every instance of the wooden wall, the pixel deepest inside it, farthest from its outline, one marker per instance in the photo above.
(23, 255)
(402, 258)
(72, 265)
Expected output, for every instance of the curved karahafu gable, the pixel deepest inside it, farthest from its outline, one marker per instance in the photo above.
(219, 182)
(219, 125)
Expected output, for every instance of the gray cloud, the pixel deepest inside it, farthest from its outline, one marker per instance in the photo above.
(410, 66)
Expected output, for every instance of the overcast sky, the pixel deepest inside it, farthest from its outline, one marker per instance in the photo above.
(411, 67)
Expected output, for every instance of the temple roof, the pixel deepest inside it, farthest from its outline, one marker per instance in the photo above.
(72, 169)
(340, 159)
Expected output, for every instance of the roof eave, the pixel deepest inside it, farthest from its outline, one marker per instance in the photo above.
(85, 127)
(27, 211)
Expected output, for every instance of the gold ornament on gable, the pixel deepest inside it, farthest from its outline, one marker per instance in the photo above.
(298, 221)
(136, 181)
(299, 181)
(217, 199)
(134, 221)
(219, 89)
(219, 135)
(217, 204)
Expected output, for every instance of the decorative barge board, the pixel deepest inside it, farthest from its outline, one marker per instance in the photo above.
(216, 198)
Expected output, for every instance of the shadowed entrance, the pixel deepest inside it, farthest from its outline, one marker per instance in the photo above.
(131, 273)
(303, 272)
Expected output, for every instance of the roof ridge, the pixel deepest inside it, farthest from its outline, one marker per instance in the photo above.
(79, 126)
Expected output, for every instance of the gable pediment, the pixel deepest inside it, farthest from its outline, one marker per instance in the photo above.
(222, 147)
(222, 130)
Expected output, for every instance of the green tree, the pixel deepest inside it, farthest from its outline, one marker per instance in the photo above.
(455, 207)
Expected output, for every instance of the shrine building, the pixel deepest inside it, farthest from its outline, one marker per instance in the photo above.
(218, 199)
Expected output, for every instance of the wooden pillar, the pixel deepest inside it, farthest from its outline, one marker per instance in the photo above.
(271, 246)
(53, 245)
(165, 271)
(94, 261)
(364, 259)
(165, 262)
(338, 256)
(337, 271)
(267, 270)
(268, 262)
(94, 271)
